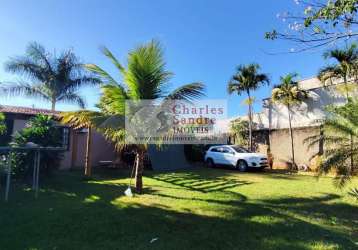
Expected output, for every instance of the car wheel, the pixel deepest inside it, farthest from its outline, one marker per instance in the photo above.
(241, 166)
(210, 163)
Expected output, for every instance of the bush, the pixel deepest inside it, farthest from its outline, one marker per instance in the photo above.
(41, 130)
(2, 124)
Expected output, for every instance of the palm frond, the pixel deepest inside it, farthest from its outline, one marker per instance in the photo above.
(112, 58)
(146, 76)
(24, 89)
(79, 119)
(72, 98)
(73, 85)
(354, 193)
(188, 92)
(26, 67)
(113, 99)
(288, 92)
(51, 77)
(38, 53)
(246, 78)
(105, 77)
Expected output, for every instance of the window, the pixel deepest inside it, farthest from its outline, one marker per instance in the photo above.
(240, 149)
(65, 134)
(215, 150)
(227, 150)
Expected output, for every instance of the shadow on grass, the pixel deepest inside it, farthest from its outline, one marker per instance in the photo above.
(196, 182)
(319, 207)
(74, 214)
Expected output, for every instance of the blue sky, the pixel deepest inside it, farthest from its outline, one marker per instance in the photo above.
(204, 40)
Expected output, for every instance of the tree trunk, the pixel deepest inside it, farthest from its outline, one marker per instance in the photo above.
(291, 137)
(88, 167)
(250, 121)
(352, 152)
(53, 105)
(139, 171)
(351, 136)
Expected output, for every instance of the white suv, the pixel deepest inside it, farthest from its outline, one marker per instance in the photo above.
(236, 156)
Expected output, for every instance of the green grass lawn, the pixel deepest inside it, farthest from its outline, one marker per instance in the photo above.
(198, 209)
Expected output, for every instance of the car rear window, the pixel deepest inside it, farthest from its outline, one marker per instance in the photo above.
(215, 150)
(240, 149)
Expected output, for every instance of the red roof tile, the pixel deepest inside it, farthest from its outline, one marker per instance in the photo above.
(26, 110)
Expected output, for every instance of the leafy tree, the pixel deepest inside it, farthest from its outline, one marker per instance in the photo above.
(318, 23)
(2, 124)
(246, 79)
(346, 67)
(144, 78)
(239, 129)
(289, 94)
(43, 131)
(52, 78)
(340, 126)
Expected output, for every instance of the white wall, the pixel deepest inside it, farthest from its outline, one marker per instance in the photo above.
(308, 113)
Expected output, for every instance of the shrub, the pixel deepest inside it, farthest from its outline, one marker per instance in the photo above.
(41, 130)
(2, 124)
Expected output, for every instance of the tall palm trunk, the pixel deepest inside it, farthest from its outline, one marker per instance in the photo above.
(351, 136)
(291, 137)
(250, 121)
(139, 171)
(88, 167)
(53, 105)
(53, 102)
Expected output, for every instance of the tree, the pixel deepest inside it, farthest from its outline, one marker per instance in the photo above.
(51, 78)
(239, 129)
(246, 79)
(289, 94)
(2, 124)
(346, 67)
(144, 78)
(78, 120)
(340, 125)
(318, 23)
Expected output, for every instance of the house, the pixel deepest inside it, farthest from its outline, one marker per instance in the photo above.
(271, 130)
(74, 140)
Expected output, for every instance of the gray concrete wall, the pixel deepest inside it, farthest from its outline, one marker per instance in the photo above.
(280, 145)
(169, 157)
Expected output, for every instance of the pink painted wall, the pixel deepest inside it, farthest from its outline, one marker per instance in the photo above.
(101, 150)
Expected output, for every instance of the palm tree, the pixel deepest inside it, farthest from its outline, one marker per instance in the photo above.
(339, 127)
(144, 78)
(78, 120)
(289, 94)
(346, 67)
(247, 79)
(51, 78)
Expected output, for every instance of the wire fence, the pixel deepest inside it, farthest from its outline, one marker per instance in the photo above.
(7, 155)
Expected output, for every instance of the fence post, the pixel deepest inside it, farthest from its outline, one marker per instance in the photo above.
(8, 178)
(34, 171)
(37, 173)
